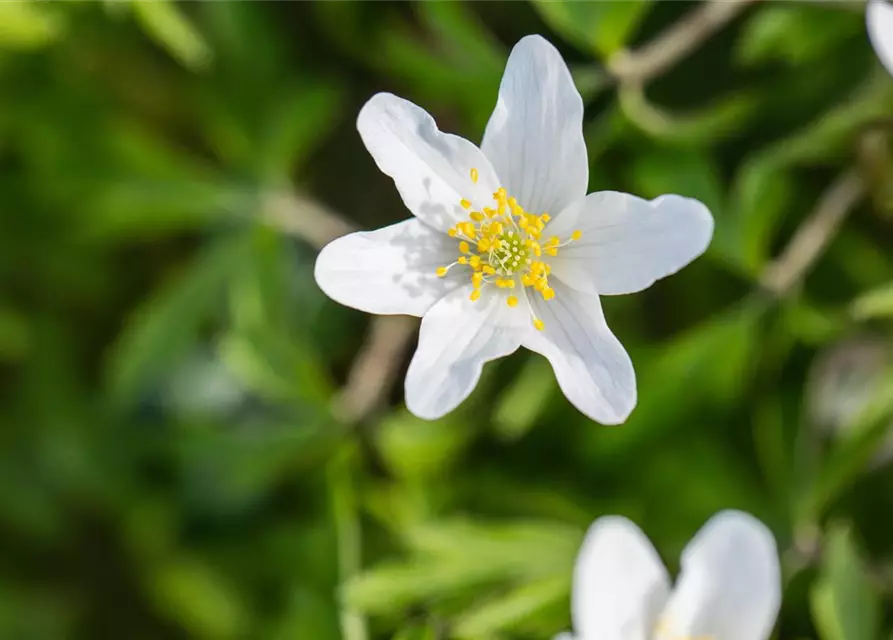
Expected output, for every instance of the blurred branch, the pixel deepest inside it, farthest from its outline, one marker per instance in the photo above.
(812, 238)
(671, 46)
(302, 216)
(376, 365)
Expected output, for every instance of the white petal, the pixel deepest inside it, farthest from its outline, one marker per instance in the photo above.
(591, 366)
(535, 136)
(456, 338)
(730, 584)
(879, 17)
(628, 242)
(432, 170)
(620, 583)
(388, 271)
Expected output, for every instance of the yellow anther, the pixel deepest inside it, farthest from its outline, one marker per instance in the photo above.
(552, 251)
(475, 294)
(488, 270)
(463, 247)
(466, 204)
(476, 279)
(538, 324)
(474, 175)
(477, 216)
(441, 271)
(475, 262)
(576, 235)
(490, 211)
(451, 233)
(483, 245)
(545, 217)
(463, 260)
(467, 229)
(496, 228)
(548, 293)
(511, 301)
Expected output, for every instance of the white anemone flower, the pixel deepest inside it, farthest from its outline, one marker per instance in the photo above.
(729, 587)
(879, 18)
(506, 249)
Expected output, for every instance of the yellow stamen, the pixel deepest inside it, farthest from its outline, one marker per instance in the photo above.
(576, 235)
(503, 245)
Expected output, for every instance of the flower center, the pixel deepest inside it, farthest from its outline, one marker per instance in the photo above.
(503, 245)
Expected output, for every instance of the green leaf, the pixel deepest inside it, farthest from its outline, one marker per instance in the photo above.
(416, 448)
(165, 23)
(299, 121)
(416, 632)
(601, 28)
(761, 192)
(164, 326)
(877, 303)
(454, 557)
(505, 612)
(26, 25)
(831, 135)
(795, 34)
(851, 456)
(688, 172)
(192, 594)
(523, 402)
(844, 604)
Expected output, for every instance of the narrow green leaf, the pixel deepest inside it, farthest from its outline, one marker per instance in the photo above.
(877, 303)
(795, 34)
(165, 23)
(522, 403)
(164, 326)
(505, 612)
(601, 28)
(844, 604)
(26, 25)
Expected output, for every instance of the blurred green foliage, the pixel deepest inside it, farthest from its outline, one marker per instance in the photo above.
(173, 463)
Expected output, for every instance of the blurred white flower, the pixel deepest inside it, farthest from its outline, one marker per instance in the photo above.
(843, 381)
(506, 249)
(879, 17)
(729, 587)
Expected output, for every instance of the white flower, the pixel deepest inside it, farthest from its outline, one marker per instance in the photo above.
(879, 17)
(729, 587)
(506, 249)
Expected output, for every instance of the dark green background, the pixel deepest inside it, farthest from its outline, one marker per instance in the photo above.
(172, 460)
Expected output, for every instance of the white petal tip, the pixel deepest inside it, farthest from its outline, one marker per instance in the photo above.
(691, 212)
(879, 20)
